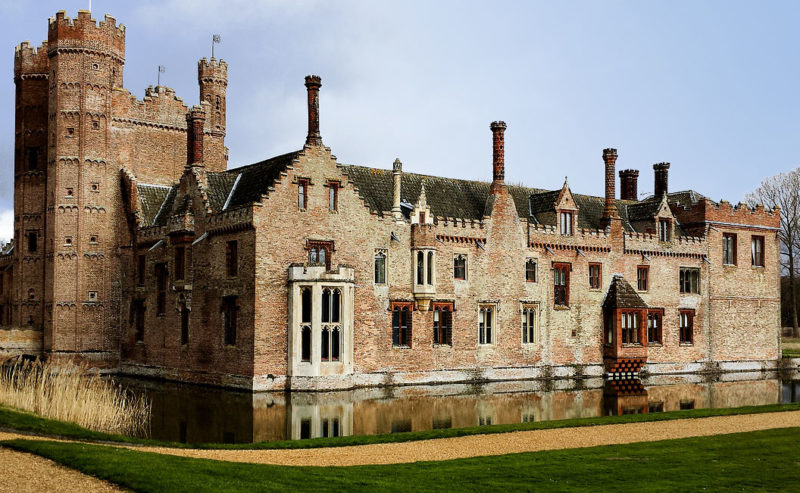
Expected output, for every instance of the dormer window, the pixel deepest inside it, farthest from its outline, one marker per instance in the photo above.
(565, 221)
(664, 230)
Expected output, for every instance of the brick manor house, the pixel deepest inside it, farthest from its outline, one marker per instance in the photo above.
(137, 249)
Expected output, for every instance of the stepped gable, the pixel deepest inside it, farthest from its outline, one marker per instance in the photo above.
(621, 295)
(447, 197)
(151, 198)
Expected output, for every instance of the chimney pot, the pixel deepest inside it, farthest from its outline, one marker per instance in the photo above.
(313, 83)
(629, 184)
(661, 171)
(498, 154)
(195, 123)
(610, 159)
(397, 175)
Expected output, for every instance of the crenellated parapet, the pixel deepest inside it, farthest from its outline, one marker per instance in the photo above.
(31, 62)
(160, 108)
(707, 212)
(85, 34)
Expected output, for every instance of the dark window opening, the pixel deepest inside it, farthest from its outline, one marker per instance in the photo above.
(729, 248)
(443, 323)
(305, 429)
(690, 280)
(302, 194)
(530, 270)
(664, 230)
(305, 344)
(232, 258)
(320, 252)
(161, 288)
(33, 238)
(140, 269)
(331, 313)
(561, 284)
(180, 257)
(401, 324)
(757, 251)
(642, 275)
(594, 276)
(305, 305)
(687, 326)
(33, 158)
(380, 268)
(654, 321)
(138, 309)
(333, 196)
(420, 268)
(230, 313)
(184, 324)
(486, 325)
(430, 268)
(460, 267)
(630, 325)
(529, 325)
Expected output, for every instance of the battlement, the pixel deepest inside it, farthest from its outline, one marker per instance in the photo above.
(29, 60)
(707, 211)
(212, 69)
(86, 33)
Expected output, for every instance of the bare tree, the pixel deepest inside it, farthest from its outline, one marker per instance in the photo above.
(783, 191)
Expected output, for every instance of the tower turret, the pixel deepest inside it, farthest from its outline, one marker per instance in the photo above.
(212, 75)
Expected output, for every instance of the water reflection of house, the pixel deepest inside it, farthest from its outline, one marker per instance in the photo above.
(200, 414)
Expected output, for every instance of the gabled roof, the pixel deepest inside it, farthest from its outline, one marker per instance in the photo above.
(621, 295)
(254, 183)
(165, 210)
(447, 197)
(151, 198)
(219, 187)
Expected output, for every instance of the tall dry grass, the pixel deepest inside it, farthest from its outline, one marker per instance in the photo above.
(73, 393)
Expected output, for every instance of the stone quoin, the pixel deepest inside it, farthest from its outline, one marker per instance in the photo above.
(137, 249)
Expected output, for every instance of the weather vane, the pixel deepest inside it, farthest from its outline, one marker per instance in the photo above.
(216, 38)
(161, 70)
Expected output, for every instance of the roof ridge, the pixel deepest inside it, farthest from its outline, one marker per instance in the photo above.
(247, 166)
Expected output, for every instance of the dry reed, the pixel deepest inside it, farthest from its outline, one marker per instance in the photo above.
(73, 393)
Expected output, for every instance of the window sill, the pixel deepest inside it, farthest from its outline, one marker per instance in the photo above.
(686, 344)
(560, 307)
(229, 346)
(632, 345)
(655, 344)
(729, 265)
(595, 289)
(758, 267)
(400, 346)
(442, 345)
(459, 278)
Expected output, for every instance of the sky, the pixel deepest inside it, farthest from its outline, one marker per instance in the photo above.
(709, 86)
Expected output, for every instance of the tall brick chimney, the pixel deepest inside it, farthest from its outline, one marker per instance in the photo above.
(610, 159)
(662, 178)
(498, 155)
(313, 83)
(195, 122)
(629, 184)
(397, 175)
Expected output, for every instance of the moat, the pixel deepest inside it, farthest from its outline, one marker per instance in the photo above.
(198, 414)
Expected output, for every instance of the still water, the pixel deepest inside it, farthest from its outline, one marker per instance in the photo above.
(198, 414)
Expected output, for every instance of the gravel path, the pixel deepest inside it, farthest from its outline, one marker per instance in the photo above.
(25, 472)
(497, 444)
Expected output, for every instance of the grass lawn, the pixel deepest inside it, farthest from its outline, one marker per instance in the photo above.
(29, 422)
(790, 347)
(763, 460)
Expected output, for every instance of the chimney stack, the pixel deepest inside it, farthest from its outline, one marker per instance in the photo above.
(629, 184)
(610, 159)
(498, 155)
(313, 83)
(662, 178)
(195, 122)
(397, 174)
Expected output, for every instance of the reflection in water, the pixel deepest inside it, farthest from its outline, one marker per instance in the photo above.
(198, 414)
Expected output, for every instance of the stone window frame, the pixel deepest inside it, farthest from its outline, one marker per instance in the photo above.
(487, 326)
(686, 283)
(664, 228)
(730, 249)
(595, 281)
(530, 335)
(656, 329)
(303, 185)
(320, 252)
(686, 326)
(566, 222)
(424, 267)
(333, 195)
(331, 324)
(92, 296)
(381, 254)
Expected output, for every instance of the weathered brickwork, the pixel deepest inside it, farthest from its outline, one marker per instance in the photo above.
(154, 257)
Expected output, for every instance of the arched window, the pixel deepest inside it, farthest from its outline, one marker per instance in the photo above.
(529, 335)
(305, 344)
(430, 268)
(380, 267)
(486, 325)
(460, 267)
(331, 324)
(530, 270)
(420, 268)
(335, 348)
(305, 308)
(401, 324)
(326, 342)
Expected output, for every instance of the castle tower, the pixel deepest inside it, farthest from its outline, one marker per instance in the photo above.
(212, 75)
(86, 59)
(25, 307)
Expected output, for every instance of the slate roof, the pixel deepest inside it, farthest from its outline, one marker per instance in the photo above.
(161, 216)
(219, 187)
(621, 295)
(590, 213)
(151, 197)
(255, 181)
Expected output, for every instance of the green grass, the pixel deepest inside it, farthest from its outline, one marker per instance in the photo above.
(28, 422)
(763, 460)
(791, 353)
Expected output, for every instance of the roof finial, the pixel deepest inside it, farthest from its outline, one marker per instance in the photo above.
(423, 198)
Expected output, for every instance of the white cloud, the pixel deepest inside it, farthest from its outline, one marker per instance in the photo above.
(6, 225)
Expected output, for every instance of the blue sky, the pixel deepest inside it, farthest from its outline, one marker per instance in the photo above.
(709, 86)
